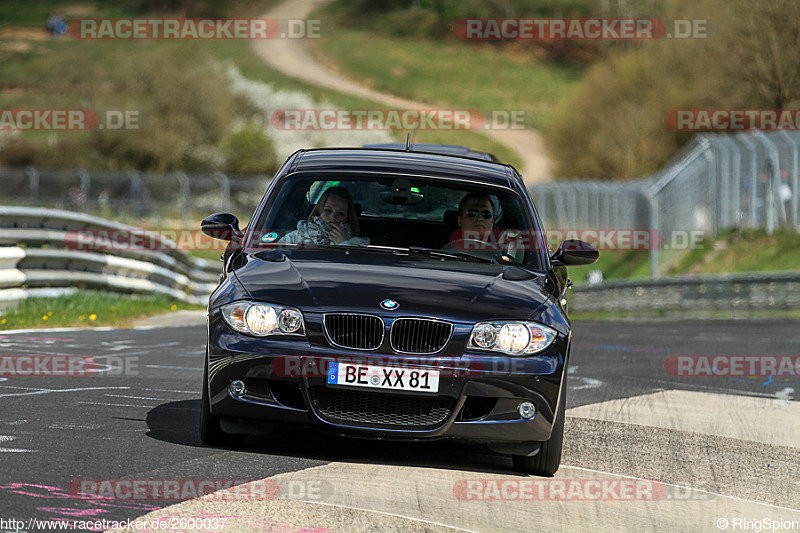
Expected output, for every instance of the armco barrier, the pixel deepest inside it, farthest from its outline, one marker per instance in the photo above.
(46, 267)
(741, 292)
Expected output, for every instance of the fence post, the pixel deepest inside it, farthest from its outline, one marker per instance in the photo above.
(33, 181)
(795, 170)
(136, 192)
(573, 195)
(183, 196)
(541, 206)
(754, 176)
(721, 184)
(653, 203)
(559, 208)
(772, 195)
(86, 181)
(225, 190)
(736, 181)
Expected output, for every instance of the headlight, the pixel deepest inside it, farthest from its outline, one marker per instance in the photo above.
(263, 319)
(512, 338)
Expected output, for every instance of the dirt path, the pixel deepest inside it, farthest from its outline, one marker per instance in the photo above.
(290, 57)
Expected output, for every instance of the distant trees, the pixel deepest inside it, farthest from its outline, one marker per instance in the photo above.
(613, 127)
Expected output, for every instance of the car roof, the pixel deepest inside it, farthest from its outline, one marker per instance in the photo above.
(449, 149)
(402, 161)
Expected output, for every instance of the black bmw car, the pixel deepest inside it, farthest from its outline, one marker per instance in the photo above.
(396, 294)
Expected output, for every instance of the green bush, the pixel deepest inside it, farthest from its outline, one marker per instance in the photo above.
(182, 99)
(434, 19)
(249, 151)
(613, 127)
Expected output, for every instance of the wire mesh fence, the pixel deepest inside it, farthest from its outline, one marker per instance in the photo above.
(746, 180)
(157, 197)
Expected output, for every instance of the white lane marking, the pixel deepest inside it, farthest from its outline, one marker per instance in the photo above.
(9, 438)
(386, 513)
(141, 398)
(47, 391)
(683, 487)
(786, 462)
(784, 395)
(587, 383)
(704, 388)
(170, 390)
(59, 330)
(573, 369)
(116, 404)
(73, 426)
(38, 352)
(126, 344)
(42, 330)
(173, 367)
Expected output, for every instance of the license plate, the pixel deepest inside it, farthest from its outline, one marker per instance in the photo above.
(383, 377)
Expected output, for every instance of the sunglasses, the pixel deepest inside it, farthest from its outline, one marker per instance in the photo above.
(472, 213)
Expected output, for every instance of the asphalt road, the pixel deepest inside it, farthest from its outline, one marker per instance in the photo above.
(628, 416)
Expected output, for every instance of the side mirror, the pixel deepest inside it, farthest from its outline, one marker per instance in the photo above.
(222, 226)
(575, 252)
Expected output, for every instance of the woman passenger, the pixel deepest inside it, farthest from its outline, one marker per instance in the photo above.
(332, 221)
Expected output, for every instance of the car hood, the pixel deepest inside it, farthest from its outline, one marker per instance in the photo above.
(356, 280)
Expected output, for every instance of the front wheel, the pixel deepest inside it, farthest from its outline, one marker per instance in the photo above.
(210, 431)
(547, 461)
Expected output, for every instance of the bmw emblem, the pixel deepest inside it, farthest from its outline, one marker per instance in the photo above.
(389, 304)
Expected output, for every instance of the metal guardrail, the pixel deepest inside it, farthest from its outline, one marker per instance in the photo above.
(738, 292)
(746, 180)
(35, 260)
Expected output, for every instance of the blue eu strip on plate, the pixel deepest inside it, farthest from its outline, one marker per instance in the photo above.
(333, 372)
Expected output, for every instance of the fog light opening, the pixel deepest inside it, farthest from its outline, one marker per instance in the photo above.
(527, 410)
(237, 388)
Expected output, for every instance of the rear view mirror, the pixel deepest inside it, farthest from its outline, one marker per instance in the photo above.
(575, 252)
(223, 226)
(402, 193)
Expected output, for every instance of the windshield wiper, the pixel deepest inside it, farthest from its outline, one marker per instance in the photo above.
(454, 254)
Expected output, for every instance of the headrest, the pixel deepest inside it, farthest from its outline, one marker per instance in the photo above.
(451, 218)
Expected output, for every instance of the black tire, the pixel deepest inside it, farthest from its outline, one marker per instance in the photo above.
(210, 431)
(547, 461)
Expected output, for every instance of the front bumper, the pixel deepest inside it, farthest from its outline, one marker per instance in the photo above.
(478, 397)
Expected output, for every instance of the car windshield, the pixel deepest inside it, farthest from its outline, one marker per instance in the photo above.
(441, 217)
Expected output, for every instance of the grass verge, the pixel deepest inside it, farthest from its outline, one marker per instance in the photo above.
(687, 315)
(451, 73)
(733, 251)
(741, 251)
(87, 308)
